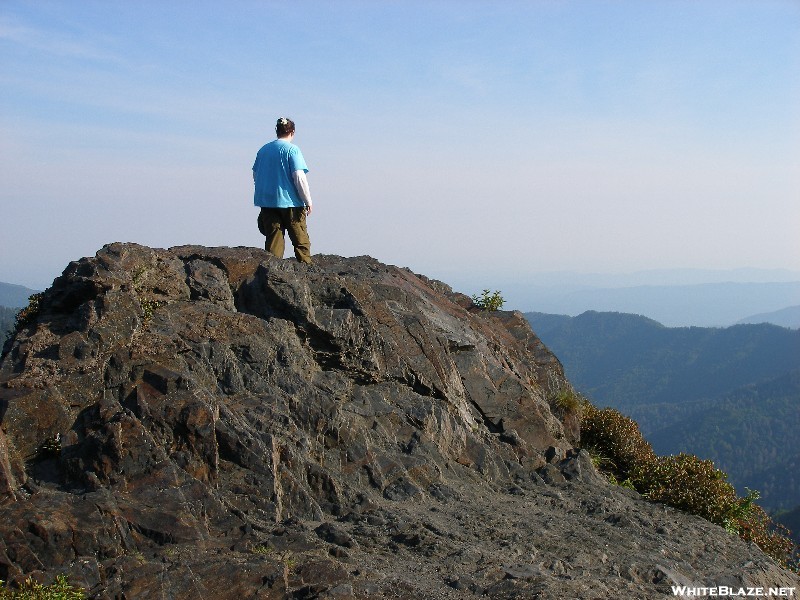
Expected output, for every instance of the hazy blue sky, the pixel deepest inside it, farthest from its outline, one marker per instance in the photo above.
(462, 139)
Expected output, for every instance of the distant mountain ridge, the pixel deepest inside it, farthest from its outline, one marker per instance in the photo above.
(786, 317)
(716, 304)
(14, 296)
(625, 358)
(728, 394)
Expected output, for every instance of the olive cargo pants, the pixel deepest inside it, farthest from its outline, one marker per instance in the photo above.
(274, 222)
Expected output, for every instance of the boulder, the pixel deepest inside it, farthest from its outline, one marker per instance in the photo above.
(215, 422)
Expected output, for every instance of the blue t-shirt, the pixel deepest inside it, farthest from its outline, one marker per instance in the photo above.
(273, 169)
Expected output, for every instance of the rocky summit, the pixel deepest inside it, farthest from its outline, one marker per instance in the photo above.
(217, 423)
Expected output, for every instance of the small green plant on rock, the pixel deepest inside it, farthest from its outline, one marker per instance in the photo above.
(138, 275)
(288, 558)
(488, 300)
(627, 483)
(60, 589)
(599, 460)
(149, 307)
(262, 550)
(569, 402)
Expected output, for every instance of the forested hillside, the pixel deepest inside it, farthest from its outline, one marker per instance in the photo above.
(732, 394)
(791, 520)
(6, 322)
(752, 432)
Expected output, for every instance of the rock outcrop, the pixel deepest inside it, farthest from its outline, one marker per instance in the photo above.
(217, 423)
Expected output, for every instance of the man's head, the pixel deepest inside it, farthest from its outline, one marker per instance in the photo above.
(284, 127)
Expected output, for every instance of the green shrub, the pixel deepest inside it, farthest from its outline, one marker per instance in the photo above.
(772, 538)
(743, 511)
(683, 481)
(691, 484)
(488, 300)
(60, 589)
(30, 312)
(612, 435)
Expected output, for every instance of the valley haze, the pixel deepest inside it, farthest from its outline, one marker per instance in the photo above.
(673, 297)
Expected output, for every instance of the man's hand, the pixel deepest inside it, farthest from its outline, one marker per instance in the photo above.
(308, 210)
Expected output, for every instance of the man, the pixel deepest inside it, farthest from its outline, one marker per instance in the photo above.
(281, 190)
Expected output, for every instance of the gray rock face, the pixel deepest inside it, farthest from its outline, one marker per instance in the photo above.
(214, 422)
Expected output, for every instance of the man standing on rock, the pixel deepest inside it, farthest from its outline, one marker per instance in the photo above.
(279, 174)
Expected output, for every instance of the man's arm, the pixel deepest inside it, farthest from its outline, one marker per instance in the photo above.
(301, 184)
